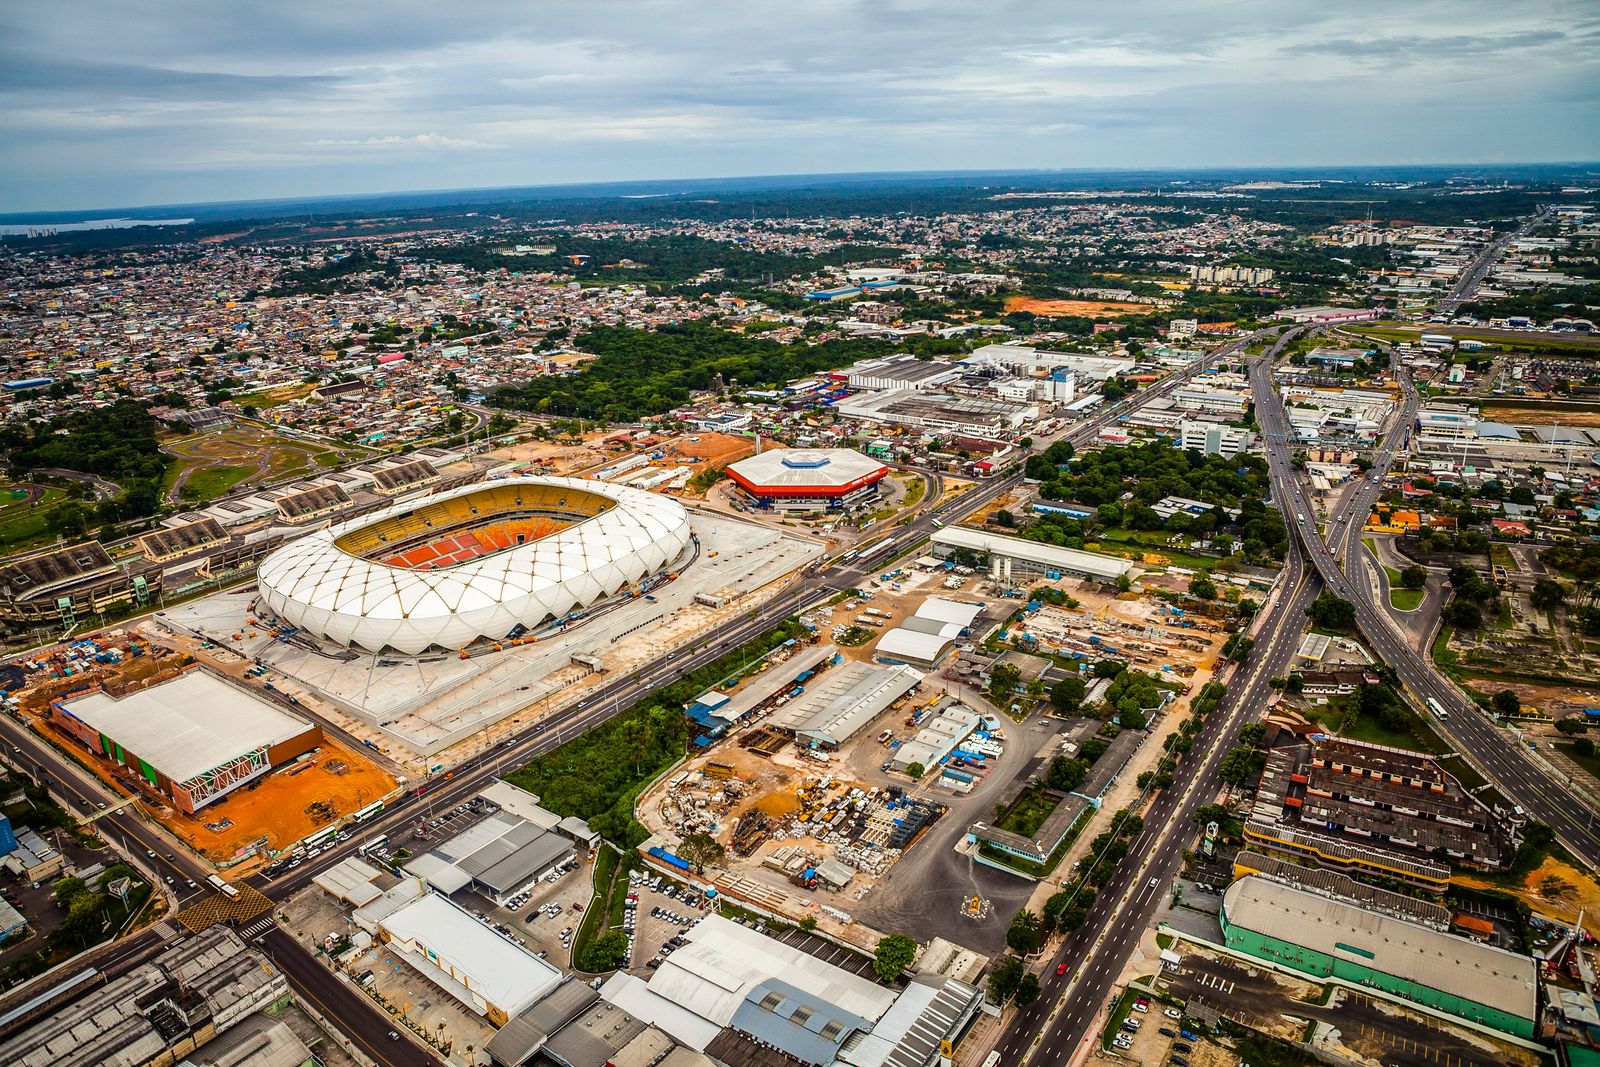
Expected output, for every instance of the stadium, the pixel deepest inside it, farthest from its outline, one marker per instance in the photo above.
(808, 481)
(469, 563)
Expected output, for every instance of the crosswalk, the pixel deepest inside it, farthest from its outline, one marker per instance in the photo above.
(257, 928)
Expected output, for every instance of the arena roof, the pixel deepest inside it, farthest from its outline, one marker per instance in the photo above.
(188, 726)
(332, 593)
(1473, 971)
(806, 471)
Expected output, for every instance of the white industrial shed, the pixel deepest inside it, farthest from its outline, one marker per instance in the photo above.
(916, 648)
(490, 974)
(1013, 554)
(843, 701)
(723, 961)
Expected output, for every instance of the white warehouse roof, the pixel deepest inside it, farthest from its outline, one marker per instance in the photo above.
(1069, 560)
(191, 725)
(1506, 981)
(491, 967)
(723, 961)
(351, 599)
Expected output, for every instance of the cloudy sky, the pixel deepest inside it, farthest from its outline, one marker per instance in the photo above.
(109, 103)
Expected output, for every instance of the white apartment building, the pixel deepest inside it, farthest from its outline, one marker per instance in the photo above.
(1215, 439)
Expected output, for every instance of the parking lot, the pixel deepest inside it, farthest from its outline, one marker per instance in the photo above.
(1151, 1033)
(549, 907)
(660, 916)
(1379, 1030)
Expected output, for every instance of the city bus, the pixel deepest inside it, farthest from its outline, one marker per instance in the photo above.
(222, 887)
(992, 1060)
(1437, 709)
(367, 812)
(375, 843)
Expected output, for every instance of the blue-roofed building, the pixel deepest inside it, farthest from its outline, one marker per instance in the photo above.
(1071, 511)
(805, 1027)
(8, 837)
(843, 292)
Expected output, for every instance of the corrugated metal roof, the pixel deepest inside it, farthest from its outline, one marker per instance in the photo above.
(1471, 970)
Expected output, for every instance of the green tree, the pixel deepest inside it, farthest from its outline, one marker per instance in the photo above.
(1571, 725)
(1236, 766)
(892, 956)
(1003, 679)
(1025, 933)
(916, 770)
(1332, 613)
(1203, 587)
(1464, 614)
(1004, 976)
(1506, 703)
(1547, 594)
(1067, 695)
(1414, 576)
(1252, 734)
(1583, 746)
(702, 850)
(1027, 989)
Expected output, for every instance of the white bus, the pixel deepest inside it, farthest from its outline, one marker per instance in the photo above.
(992, 1060)
(1437, 709)
(375, 843)
(222, 887)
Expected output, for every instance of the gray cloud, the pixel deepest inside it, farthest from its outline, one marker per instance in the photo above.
(111, 103)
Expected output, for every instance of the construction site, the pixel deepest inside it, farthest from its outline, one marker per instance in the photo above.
(270, 808)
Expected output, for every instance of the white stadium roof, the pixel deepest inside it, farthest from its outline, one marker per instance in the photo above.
(191, 725)
(314, 584)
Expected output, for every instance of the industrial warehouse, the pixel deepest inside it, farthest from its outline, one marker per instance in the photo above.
(808, 481)
(1328, 938)
(1014, 557)
(195, 739)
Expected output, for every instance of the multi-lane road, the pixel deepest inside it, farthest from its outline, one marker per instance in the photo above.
(1467, 284)
(1051, 1031)
(1496, 755)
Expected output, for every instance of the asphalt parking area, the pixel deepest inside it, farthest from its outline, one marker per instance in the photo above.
(679, 911)
(1378, 1029)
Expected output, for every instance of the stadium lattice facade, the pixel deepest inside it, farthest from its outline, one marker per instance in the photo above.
(471, 563)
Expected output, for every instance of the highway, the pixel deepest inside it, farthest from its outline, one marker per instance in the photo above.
(337, 1000)
(1496, 755)
(1467, 284)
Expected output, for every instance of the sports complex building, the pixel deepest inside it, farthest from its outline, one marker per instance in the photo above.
(808, 481)
(474, 562)
(1329, 938)
(194, 739)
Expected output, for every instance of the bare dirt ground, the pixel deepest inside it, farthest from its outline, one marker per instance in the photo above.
(1555, 889)
(1502, 411)
(1089, 309)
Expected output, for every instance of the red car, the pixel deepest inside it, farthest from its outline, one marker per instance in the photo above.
(1061, 968)
(577, 907)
